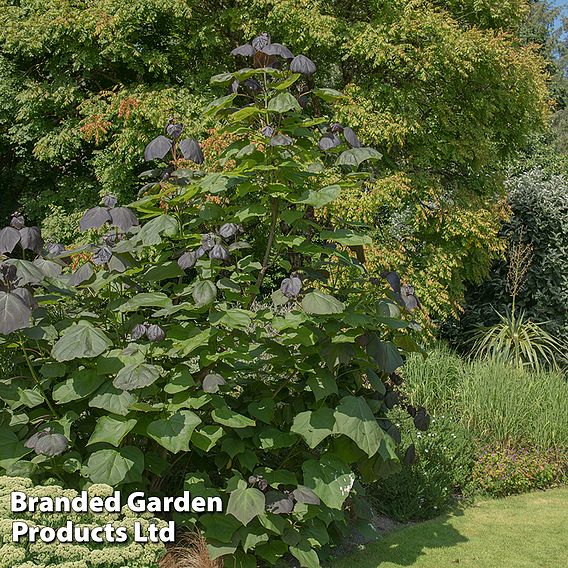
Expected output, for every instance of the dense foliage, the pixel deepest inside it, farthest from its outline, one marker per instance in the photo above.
(539, 202)
(443, 88)
(71, 555)
(158, 358)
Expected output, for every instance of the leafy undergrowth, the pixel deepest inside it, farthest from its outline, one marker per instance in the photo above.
(524, 531)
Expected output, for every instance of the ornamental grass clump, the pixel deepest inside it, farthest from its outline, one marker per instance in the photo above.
(202, 345)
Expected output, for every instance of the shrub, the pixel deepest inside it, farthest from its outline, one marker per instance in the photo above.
(540, 218)
(71, 555)
(167, 360)
(426, 489)
(502, 470)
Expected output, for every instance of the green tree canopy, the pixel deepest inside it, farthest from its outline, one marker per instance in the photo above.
(446, 90)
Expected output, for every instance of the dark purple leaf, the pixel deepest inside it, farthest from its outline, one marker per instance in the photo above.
(48, 443)
(252, 85)
(102, 255)
(305, 495)
(219, 252)
(8, 272)
(291, 287)
(279, 503)
(351, 137)
(281, 140)
(14, 313)
(191, 150)
(260, 41)
(409, 298)
(245, 50)
(422, 420)
(277, 49)
(410, 455)
(174, 130)
(123, 218)
(9, 238)
(208, 241)
(17, 221)
(393, 279)
(187, 260)
(228, 230)
(336, 127)
(55, 249)
(30, 239)
(26, 296)
(329, 141)
(138, 331)
(95, 218)
(234, 88)
(110, 200)
(302, 64)
(155, 333)
(157, 149)
(267, 131)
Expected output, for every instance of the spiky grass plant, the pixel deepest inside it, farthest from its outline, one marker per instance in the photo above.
(515, 339)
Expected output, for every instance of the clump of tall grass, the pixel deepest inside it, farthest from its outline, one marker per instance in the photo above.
(496, 401)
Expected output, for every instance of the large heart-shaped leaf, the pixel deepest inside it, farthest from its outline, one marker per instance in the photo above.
(354, 419)
(320, 197)
(314, 426)
(283, 102)
(151, 233)
(245, 504)
(111, 429)
(114, 467)
(204, 292)
(136, 376)
(81, 340)
(113, 400)
(356, 156)
(320, 303)
(157, 148)
(14, 313)
(174, 433)
(81, 384)
(330, 479)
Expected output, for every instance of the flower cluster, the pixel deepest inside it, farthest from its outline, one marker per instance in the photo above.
(504, 470)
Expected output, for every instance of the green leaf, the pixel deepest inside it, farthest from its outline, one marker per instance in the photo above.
(262, 409)
(385, 354)
(218, 104)
(330, 479)
(356, 156)
(180, 380)
(111, 429)
(285, 83)
(204, 292)
(28, 272)
(272, 438)
(320, 197)
(246, 504)
(81, 384)
(175, 432)
(346, 237)
(354, 419)
(207, 437)
(81, 340)
(230, 418)
(234, 318)
(162, 272)
(314, 426)
(11, 449)
(136, 376)
(320, 303)
(221, 79)
(306, 555)
(150, 233)
(283, 102)
(146, 300)
(322, 383)
(113, 400)
(328, 95)
(114, 467)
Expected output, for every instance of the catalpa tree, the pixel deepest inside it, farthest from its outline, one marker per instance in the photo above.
(203, 344)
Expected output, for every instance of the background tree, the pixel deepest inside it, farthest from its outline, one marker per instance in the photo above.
(445, 89)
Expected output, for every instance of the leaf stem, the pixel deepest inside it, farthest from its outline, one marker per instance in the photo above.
(269, 243)
(35, 377)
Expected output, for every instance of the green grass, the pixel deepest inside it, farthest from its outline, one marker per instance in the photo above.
(525, 531)
(494, 400)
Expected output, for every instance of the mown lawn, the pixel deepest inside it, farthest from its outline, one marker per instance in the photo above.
(526, 531)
